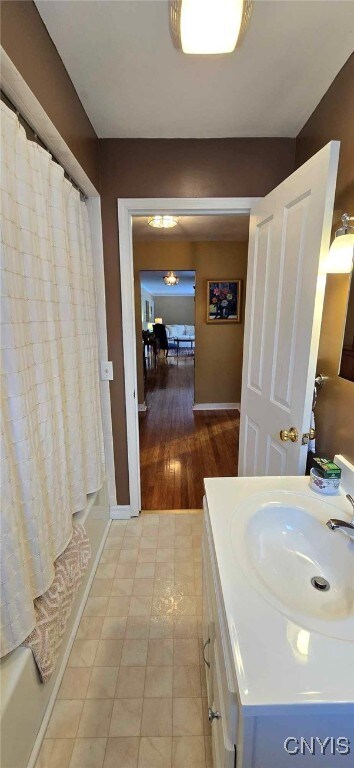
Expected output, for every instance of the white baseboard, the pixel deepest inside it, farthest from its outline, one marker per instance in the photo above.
(120, 512)
(142, 407)
(216, 407)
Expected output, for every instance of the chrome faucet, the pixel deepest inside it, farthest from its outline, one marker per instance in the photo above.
(347, 528)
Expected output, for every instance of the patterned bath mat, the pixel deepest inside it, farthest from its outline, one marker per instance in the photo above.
(54, 607)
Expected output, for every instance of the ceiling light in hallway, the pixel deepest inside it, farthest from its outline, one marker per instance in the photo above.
(163, 222)
(171, 279)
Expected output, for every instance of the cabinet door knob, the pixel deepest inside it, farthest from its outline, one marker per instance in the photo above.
(213, 715)
(204, 647)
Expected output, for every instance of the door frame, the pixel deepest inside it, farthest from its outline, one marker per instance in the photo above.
(127, 208)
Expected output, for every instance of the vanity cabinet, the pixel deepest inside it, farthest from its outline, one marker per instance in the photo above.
(252, 733)
(221, 691)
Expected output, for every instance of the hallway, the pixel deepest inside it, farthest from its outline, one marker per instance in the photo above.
(179, 446)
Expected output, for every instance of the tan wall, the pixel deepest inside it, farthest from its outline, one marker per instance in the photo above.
(26, 41)
(334, 119)
(175, 309)
(349, 325)
(218, 349)
(172, 168)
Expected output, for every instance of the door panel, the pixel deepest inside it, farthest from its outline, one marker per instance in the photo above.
(260, 300)
(251, 445)
(275, 458)
(289, 294)
(289, 238)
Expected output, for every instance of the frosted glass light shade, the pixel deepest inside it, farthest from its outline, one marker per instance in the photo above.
(158, 320)
(210, 26)
(340, 255)
(162, 222)
(170, 279)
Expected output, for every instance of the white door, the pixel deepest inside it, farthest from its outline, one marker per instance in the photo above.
(289, 238)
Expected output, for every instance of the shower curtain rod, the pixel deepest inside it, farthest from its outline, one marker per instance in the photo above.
(32, 135)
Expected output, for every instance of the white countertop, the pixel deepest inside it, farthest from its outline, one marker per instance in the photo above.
(270, 669)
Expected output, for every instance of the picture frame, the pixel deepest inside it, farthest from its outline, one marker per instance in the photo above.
(224, 301)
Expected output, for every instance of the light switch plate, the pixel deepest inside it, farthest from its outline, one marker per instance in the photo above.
(106, 370)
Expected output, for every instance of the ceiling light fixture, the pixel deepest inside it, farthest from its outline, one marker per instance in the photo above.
(209, 26)
(341, 252)
(171, 279)
(162, 222)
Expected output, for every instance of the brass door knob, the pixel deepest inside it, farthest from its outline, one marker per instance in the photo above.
(289, 434)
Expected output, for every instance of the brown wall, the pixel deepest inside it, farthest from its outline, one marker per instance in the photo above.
(26, 41)
(188, 168)
(218, 349)
(172, 168)
(334, 119)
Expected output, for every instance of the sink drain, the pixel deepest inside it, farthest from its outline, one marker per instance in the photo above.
(320, 583)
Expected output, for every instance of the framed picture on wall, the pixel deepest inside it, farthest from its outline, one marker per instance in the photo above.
(147, 311)
(224, 301)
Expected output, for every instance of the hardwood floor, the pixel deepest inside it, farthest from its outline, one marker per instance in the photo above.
(179, 446)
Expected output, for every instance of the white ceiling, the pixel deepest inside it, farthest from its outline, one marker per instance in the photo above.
(134, 83)
(195, 228)
(152, 281)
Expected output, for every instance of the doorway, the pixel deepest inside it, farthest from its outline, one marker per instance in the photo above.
(166, 389)
(166, 323)
(203, 411)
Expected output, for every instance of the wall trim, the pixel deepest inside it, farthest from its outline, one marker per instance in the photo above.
(120, 512)
(216, 407)
(127, 208)
(94, 209)
(142, 407)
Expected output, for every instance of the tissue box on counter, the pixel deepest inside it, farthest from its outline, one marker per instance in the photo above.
(327, 468)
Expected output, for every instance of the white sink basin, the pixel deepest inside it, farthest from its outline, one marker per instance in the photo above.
(281, 542)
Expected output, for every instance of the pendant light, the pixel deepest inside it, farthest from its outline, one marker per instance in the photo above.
(171, 279)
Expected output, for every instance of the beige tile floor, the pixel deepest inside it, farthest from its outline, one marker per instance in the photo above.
(133, 693)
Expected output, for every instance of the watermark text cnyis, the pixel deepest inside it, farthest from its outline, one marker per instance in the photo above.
(330, 745)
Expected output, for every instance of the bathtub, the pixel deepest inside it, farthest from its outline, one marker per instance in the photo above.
(26, 704)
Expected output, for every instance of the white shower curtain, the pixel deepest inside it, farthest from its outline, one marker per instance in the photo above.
(51, 432)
